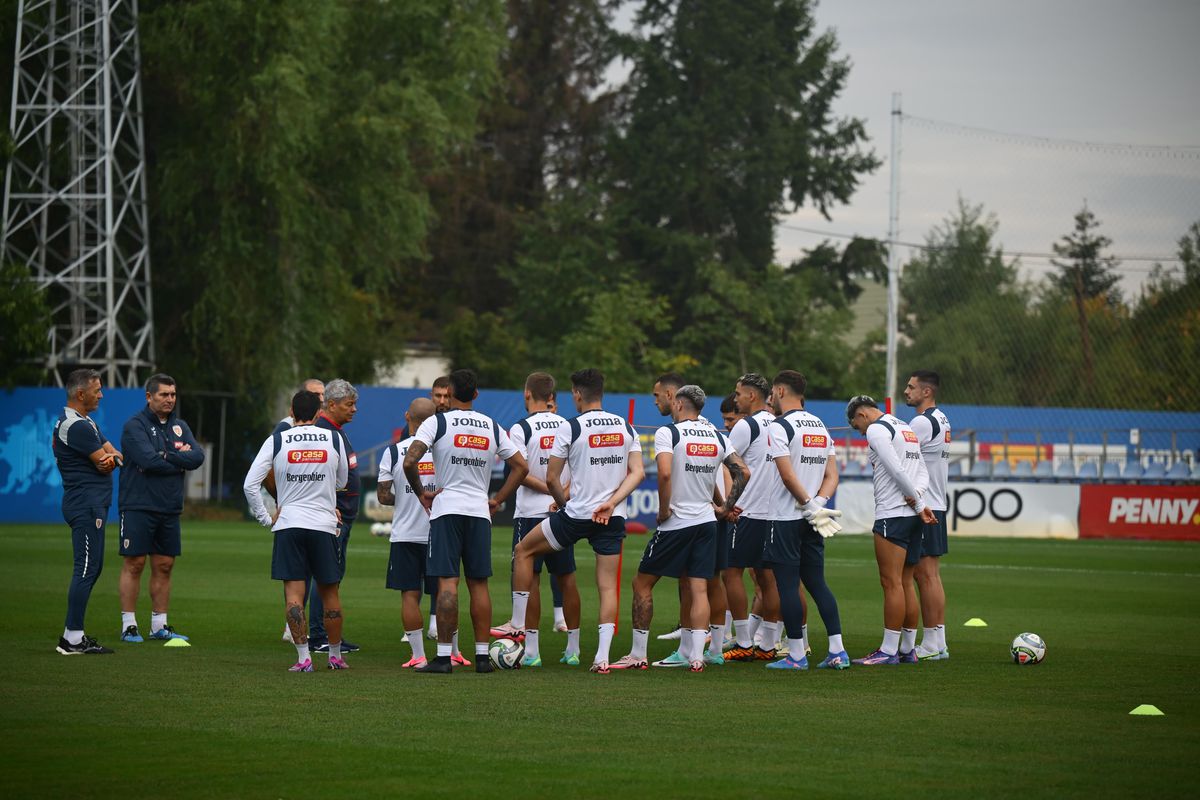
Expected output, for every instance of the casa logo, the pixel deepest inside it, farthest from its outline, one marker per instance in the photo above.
(473, 441)
(425, 467)
(606, 439)
(1154, 511)
(547, 442)
(308, 456)
(702, 450)
(353, 461)
(179, 445)
(947, 437)
(815, 440)
(910, 437)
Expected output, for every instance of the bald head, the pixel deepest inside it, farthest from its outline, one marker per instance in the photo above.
(419, 410)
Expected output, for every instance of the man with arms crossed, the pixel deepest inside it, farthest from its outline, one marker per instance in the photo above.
(310, 465)
(900, 481)
(605, 458)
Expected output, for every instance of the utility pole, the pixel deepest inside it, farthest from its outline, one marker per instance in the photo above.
(893, 264)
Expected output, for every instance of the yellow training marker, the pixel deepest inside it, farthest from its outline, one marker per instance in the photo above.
(974, 622)
(1147, 711)
(176, 643)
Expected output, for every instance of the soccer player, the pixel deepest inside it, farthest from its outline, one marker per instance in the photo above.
(749, 439)
(605, 458)
(900, 481)
(933, 432)
(689, 454)
(463, 443)
(664, 392)
(410, 528)
(440, 394)
(160, 448)
(534, 439)
(802, 452)
(310, 464)
(85, 461)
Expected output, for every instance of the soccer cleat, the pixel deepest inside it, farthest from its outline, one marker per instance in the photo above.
(836, 661)
(673, 660)
(459, 660)
(87, 647)
(763, 655)
(536, 661)
(599, 667)
(337, 663)
(315, 646)
(483, 664)
(673, 635)
(910, 657)
(716, 659)
(739, 653)
(302, 666)
(789, 663)
(507, 631)
(570, 659)
(729, 643)
(167, 632)
(877, 658)
(696, 666)
(629, 662)
(931, 655)
(349, 646)
(435, 667)
(416, 661)
(944, 655)
(560, 627)
(132, 636)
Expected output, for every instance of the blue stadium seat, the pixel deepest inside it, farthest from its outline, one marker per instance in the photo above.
(982, 469)
(1024, 469)
(1044, 470)
(1178, 472)
(1133, 470)
(955, 469)
(1155, 471)
(1066, 470)
(1111, 471)
(1088, 471)
(1196, 471)
(1001, 469)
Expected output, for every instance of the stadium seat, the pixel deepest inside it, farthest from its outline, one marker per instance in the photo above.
(1065, 470)
(1001, 469)
(1024, 469)
(1044, 470)
(1155, 471)
(1178, 472)
(1110, 471)
(1088, 471)
(1133, 470)
(867, 470)
(1196, 471)
(982, 469)
(955, 469)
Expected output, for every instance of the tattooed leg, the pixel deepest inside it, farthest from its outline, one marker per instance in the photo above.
(293, 595)
(333, 611)
(447, 609)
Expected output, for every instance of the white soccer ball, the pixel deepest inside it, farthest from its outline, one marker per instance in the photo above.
(506, 653)
(380, 529)
(1028, 648)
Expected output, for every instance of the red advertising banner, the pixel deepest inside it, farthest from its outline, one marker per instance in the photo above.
(1139, 512)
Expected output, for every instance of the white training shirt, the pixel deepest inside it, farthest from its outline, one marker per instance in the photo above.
(463, 443)
(749, 439)
(310, 467)
(933, 432)
(596, 445)
(802, 438)
(899, 470)
(534, 439)
(697, 450)
(410, 520)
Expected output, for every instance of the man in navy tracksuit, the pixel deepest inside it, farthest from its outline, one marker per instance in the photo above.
(159, 448)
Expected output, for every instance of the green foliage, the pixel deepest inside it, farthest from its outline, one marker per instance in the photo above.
(24, 325)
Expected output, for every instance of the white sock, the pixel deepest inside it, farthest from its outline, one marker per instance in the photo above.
(908, 639)
(755, 624)
(531, 644)
(929, 639)
(697, 635)
(640, 641)
(685, 645)
(520, 603)
(443, 650)
(941, 637)
(454, 645)
(795, 648)
(157, 622)
(891, 641)
(606, 636)
(72, 637)
(128, 618)
(835, 643)
(804, 637)
(335, 650)
(559, 619)
(302, 653)
(741, 630)
(716, 635)
(572, 648)
(481, 650)
(416, 642)
(769, 635)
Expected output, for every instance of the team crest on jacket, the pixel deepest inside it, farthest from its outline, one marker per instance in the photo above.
(177, 430)
(99, 523)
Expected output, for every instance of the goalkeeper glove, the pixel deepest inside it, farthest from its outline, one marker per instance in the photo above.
(824, 520)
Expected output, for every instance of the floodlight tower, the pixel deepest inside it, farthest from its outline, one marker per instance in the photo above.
(75, 186)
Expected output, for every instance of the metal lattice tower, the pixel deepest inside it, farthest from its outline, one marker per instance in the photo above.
(75, 188)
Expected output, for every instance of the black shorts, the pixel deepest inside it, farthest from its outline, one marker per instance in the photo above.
(746, 541)
(300, 553)
(721, 557)
(689, 551)
(605, 539)
(934, 541)
(406, 566)
(458, 537)
(794, 542)
(149, 533)
(558, 562)
(903, 532)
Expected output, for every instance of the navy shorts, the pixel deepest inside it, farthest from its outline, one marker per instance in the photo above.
(689, 551)
(746, 541)
(458, 537)
(721, 559)
(934, 541)
(300, 553)
(903, 532)
(558, 562)
(406, 566)
(149, 533)
(605, 539)
(794, 542)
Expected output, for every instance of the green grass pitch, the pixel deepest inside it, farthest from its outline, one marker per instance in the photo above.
(224, 719)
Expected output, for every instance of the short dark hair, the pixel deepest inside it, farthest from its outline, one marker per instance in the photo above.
(589, 382)
(729, 404)
(305, 404)
(463, 385)
(79, 380)
(671, 379)
(857, 402)
(540, 385)
(441, 382)
(927, 376)
(156, 380)
(793, 380)
(756, 382)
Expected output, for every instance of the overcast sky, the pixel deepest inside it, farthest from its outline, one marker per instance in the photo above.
(1107, 71)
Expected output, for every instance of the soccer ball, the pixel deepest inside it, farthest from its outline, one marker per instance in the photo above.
(1028, 648)
(380, 529)
(506, 653)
